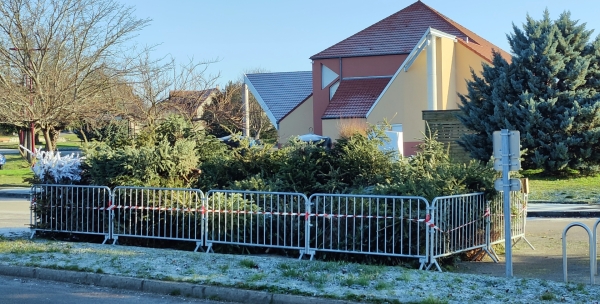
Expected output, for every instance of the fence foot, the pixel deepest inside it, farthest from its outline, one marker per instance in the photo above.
(32, 234)
(526, 241)
(115, 240)
(492, 255)
(209, 248)
(309, 252)
(434, 262)
(198, 244)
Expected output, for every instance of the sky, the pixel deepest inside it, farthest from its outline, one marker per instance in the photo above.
(281, 35)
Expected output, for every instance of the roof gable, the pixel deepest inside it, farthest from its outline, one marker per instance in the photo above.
(186, 97)
(280, 93)
(189, 101)
(400, 32)
(355, 97)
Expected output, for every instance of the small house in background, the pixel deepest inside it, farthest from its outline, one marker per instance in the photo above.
(414, 60)
(190, 103)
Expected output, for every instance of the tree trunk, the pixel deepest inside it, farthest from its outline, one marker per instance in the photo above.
(85, 140)
(54, 134)
(51, 137)
(48, 139)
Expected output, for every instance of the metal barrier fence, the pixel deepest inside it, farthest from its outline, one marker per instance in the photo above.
(253, 218)
(70, 208)
(518, 219)
(158, 213)
(369, 224)
(461, 224)
(399, 226)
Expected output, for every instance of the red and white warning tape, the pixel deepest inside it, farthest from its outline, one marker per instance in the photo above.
(485, 214)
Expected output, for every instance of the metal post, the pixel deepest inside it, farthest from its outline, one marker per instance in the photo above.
(506, 185)
(31, 124)
(246, 110)
(431, 73)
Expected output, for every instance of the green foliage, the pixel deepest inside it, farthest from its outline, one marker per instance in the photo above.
(431, 173)
(8, 129)
(115, 134)
(549, 92)
(301, 167)
(166, 156)
(223, 167)
(354, 165)
(361, 162)
(176, 153)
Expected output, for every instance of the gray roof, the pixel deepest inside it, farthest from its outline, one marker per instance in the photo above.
(280, 93)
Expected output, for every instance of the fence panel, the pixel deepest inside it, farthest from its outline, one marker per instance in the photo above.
(71, 208)
(518, 210)
(369, 224)
(158, 213)
(459, 223)
(254, 218)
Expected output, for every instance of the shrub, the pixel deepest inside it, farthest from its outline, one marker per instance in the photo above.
(360, 161)
(115, 134)
(161, 157)
(430, 173)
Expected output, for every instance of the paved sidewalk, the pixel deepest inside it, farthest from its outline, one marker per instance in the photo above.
(558, 210)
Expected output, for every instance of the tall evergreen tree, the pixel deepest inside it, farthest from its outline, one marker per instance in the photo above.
(550, 92)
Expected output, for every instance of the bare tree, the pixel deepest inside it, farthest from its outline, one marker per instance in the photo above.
(226, 114)
(68, 53)
(153, 81)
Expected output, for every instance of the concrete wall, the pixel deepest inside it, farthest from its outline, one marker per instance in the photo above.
(298, 122)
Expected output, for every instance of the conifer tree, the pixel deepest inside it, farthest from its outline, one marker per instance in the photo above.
(550, 92)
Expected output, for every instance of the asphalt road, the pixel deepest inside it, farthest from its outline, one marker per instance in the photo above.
(14, 213)
(29, 291)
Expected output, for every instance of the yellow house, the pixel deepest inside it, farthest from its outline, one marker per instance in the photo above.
(416, 59)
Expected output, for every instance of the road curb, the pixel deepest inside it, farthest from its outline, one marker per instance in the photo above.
(563, 214)
(13, 195)
(162, 287)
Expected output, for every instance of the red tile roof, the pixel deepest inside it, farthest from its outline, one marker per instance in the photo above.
(354, 97)
(400, 32)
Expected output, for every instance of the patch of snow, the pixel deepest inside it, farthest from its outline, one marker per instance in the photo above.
(285, 275)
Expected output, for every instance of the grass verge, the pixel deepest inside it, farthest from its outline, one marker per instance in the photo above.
(15, 171)
(570, 189)
(66, 141)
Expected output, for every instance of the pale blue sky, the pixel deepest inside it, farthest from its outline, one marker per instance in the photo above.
(280, 35)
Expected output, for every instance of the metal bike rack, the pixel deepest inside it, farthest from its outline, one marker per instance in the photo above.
(592, 241)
